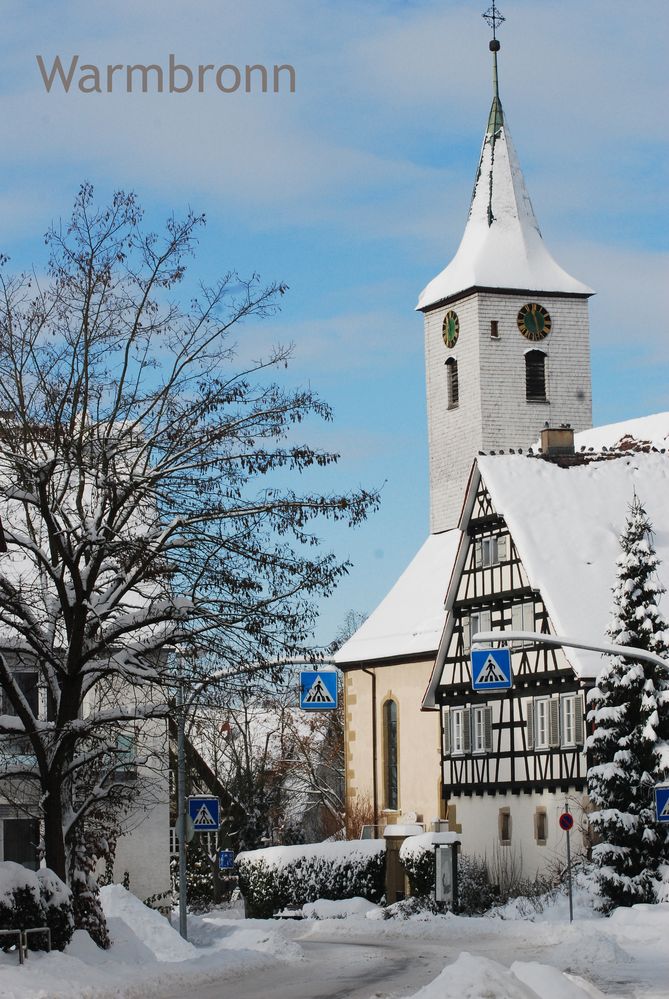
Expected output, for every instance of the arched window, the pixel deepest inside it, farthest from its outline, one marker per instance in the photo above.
(535, 376)
(390, 754)
(452, 382)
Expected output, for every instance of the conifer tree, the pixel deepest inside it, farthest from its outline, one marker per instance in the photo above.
(629, 748)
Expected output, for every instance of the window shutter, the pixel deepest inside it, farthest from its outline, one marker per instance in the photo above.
(478, 554)
(466, 731)
(517, 617)
(553, 722)
(502, 548)
(487, 729)
(529, 731)
(446, 736)
(466, 634)
(579, 715)
(484, 621)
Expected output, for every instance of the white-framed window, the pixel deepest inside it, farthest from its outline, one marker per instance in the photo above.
(572, 727)
(477, 621)
(522, 616)
(481, 729)
(460, 731)
(541, 723)
(490, 551)
(544, 723)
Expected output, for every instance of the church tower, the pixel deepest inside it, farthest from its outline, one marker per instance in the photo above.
(506, 328)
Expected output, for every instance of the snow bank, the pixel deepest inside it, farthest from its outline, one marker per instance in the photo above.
(414, 846)
(475, 977)
(150, 928)
(324, 908)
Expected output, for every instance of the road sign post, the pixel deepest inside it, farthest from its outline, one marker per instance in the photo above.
(318, 690)
(566, 823)
(491, 669)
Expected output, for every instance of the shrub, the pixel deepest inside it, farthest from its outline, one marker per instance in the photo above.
(57, 902)
(21, 905)
(283, 876)
(475, 892)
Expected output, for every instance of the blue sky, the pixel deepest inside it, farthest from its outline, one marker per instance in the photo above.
(355, 189)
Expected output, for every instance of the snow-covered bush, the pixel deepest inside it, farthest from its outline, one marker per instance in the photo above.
(475, 892)
(20, 902)
(280, 876)
(57, 903)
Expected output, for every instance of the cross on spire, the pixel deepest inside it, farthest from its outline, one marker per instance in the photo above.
(494, 18)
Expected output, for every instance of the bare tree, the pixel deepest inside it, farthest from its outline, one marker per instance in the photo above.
(143, 488)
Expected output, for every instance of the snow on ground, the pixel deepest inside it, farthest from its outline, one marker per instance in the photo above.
(520, 953)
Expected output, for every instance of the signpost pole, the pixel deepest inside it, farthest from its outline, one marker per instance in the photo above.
(181, 806)
(571, 899)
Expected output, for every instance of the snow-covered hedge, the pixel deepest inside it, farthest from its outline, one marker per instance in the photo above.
(417, 855)
(29, 899)
(279, 876)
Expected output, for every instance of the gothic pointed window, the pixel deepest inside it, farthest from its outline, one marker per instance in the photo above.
(390, 755)
(452, 382)
(535, 376)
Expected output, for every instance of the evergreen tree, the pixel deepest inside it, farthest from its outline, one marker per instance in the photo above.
(629, 748)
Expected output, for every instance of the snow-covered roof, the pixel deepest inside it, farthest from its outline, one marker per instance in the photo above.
(645, 430)
(566, 523)
(502, 246)
(410, 619)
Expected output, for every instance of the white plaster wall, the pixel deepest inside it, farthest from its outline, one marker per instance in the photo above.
(478, 818)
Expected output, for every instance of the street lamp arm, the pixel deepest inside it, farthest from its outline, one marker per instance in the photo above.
(628, 651)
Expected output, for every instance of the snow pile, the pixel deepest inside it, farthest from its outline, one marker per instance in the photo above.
(475, 977)
(324, 908)
(150, 928)
(414, 846)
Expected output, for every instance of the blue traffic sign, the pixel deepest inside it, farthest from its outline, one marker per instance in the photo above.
(205, 813)
(318, 690)
(491, 669)
(226, 860)
(662, 803)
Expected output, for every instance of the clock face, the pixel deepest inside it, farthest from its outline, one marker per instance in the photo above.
(451, 328)
(534, 322)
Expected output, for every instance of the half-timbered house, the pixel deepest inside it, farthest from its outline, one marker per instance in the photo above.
(537, 553)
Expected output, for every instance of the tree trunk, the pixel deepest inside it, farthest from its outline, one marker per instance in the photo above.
(54, 841)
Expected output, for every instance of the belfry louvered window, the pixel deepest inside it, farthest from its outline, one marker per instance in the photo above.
(535, 376)
(452, 382)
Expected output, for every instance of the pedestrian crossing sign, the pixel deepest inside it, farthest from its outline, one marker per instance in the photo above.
(318, 690)
(205, 813)
(491, 669)
(662, 803)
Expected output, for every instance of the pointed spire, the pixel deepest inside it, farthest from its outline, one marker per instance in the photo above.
(502, 247)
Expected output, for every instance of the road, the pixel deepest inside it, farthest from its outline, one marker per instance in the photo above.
(335, 968)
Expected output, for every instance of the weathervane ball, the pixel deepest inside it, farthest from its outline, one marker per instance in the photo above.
(494, 45)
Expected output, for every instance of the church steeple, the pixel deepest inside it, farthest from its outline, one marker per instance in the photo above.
(506, 328)
(502, 246)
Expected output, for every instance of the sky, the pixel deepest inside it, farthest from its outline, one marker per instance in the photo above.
(354, 191)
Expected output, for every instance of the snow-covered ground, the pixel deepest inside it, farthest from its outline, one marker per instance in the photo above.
(349, 949)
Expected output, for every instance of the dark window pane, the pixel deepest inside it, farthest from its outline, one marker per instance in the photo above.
(21, 840)
(390, 740)
(535, 376)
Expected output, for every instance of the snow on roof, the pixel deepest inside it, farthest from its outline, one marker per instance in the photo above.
(502, 245)
(410, 619)
(652, 430)
(566, 523)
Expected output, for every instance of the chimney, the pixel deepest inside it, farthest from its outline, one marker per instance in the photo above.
(557, 441)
